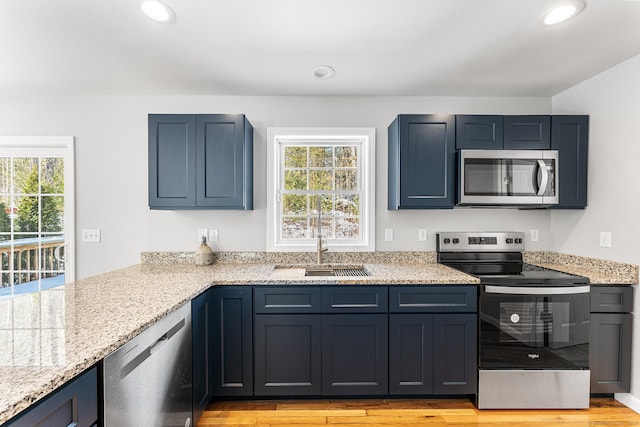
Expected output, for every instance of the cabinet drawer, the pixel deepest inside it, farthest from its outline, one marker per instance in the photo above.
(355, 299)
(611, 299)
(433, 299)
(287, 299)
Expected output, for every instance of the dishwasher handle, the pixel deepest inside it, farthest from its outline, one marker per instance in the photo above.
(147, 352)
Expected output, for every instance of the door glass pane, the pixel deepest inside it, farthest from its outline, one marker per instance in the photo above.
(31, 224)
(485, 177)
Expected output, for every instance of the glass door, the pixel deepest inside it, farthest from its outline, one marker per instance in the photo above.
(36, 207)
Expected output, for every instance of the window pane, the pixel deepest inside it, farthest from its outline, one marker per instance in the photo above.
(25, 255)
(295, 157)
(346, 156)
(5, 175)
(320, 180)
(294, 204)
(346, 179)
(347, 204)
(294, 227)
(347, 228)
(52, 170)
(26, 214)
(25, 171)
(5, 215)
(52, 212)
(295, 180)
(327, 205)
(327, 227)
(320, 157)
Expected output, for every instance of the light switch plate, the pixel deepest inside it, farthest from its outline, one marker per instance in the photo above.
(422, 234)
(388, 234)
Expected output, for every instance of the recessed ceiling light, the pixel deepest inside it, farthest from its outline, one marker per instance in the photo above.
(323, 72)
(563, 11)
(158, 11)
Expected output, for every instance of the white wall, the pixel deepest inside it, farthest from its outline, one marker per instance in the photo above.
(612, 99)
(111, 168)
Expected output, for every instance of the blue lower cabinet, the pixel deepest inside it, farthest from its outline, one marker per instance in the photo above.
(202, 327)
(74, 404)
(287, 354)
(455, 349)
(233, 341)
(354, 355)
(410, 354)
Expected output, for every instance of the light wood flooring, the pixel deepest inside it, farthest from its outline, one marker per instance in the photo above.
(407, 412)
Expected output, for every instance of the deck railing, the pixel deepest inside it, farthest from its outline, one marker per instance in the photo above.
(24, 260)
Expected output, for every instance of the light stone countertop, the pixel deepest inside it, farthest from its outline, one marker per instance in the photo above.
(49, 337)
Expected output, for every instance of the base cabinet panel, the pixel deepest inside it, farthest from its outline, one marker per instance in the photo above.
(354, 354)
(202, 327)
(455, 353)
(610, 352)
(287, 355)
(233, 341)
(411, 354)
(74, 404)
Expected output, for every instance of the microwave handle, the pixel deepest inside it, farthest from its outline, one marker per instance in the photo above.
(544, 180)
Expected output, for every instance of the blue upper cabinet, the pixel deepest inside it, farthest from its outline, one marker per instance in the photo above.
(421, 172)
(200, 161)
(527, 132)
(570, 136)
(479, 132)
(503, 132)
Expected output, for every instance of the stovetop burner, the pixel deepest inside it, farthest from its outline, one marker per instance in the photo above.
(497, 259)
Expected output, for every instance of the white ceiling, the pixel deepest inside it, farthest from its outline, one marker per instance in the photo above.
(268, 47)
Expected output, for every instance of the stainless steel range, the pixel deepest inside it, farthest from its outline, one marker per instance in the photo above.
(533, 324)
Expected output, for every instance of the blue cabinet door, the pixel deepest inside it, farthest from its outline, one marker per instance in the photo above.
(288, 355)
(421, 169)
(355, 354)
(570, 136)
(233, 341)
(479, 132)
(410, 354)
(224, 168)
(74, 404)
(172, 160)
(455, 343)
(527, 132)
(202, 328)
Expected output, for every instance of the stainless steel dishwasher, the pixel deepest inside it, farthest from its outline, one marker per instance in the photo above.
(148, 381)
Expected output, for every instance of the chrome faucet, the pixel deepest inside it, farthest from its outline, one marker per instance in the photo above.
(319, 248)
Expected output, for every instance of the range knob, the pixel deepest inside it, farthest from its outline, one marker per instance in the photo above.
(518, 240)
(447, 241)
(456, 241)
(509, 240)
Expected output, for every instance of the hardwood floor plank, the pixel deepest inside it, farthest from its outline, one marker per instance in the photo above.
(407, 413)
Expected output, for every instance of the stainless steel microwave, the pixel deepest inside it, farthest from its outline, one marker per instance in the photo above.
(508, 178)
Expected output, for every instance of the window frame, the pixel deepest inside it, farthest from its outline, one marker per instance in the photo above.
(365, 139)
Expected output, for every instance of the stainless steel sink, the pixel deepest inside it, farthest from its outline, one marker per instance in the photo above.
(341, 272)
(293, 271)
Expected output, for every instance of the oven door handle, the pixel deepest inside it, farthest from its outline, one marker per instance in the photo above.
(538, 290)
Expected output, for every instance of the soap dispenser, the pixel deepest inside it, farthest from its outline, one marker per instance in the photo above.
(204, 254)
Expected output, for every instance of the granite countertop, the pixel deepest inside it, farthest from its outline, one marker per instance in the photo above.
(49, 337)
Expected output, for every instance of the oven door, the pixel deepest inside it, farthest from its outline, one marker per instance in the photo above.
(534, 327)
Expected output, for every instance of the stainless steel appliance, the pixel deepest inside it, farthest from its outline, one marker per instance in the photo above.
(533, 324)
(148, 381)
(508, 177)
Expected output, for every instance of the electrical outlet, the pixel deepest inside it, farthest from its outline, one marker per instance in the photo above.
(534, 235)
(91, 235)
(388, 234)
(422, 234)
(203, 232)
(213, 235)
(605, 239)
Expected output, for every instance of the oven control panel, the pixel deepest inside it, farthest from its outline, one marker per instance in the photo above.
(512, 241)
